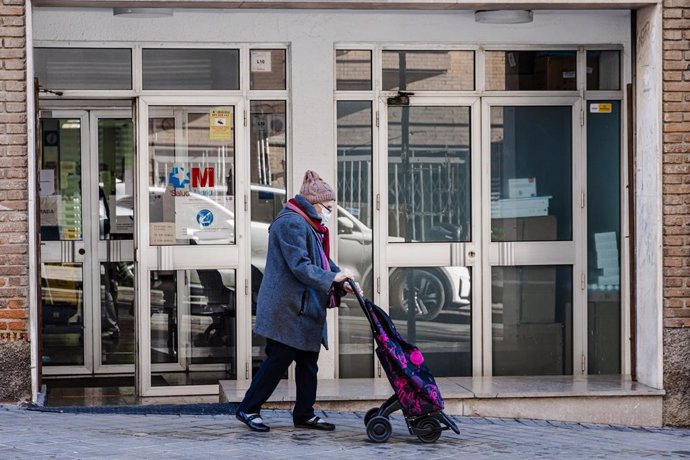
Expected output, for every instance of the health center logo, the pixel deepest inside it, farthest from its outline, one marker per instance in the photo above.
(178, 178)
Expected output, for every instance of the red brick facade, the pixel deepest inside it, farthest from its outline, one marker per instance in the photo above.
(14, 249)
(14, 258)
(676, 165)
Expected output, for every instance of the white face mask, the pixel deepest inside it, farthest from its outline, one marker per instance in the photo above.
(325, 215)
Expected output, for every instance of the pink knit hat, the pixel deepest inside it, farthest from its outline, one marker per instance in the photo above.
(315, 189)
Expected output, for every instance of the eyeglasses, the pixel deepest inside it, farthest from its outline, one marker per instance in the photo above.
(330, 208)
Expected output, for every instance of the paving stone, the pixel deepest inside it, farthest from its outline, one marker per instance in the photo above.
(25, 434)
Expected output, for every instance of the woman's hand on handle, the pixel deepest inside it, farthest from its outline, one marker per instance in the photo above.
(343, 276)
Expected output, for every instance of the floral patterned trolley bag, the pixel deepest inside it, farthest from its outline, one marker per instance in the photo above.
(416, 392)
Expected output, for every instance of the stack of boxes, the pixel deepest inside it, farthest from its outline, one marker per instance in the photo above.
(522, 201)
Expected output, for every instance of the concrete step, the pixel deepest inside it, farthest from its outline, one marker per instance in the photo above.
(614, 400)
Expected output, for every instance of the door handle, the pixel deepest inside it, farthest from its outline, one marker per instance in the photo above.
(81, 251)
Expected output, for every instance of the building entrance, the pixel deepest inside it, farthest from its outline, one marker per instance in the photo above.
(86, 161)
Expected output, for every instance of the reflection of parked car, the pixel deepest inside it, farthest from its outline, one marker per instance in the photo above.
(436, 288)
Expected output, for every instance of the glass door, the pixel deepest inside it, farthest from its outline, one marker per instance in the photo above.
(86, 160)
(430, 228)
(192, 206)
(112, 186)
(533, 196)
(65, 243)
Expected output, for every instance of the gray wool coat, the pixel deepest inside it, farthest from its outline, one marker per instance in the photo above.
(291, 307)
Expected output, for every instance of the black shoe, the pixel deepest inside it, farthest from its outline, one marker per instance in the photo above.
(316, 424)
(248, 419)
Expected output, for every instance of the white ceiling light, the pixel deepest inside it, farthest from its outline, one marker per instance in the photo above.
(504, 16)
(143, 12)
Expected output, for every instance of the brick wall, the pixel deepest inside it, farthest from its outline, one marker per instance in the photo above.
(14, 346)
(677, 163)
(676, 199)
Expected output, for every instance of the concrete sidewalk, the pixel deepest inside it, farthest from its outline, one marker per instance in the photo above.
(30, 434)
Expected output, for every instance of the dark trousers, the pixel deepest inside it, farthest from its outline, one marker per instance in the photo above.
(278, 358)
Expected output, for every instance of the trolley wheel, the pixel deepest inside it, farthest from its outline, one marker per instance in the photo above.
(429, 423)
(370, 414)
(379, 429)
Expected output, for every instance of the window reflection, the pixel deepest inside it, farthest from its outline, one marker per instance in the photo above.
(429, 174)
(603, 70)
(116, 178)
(60, 179)
(267, 69)
(84, 68)
(353, 70)
(193, 324)
(428, 70)
(604, 238)
(432, 308)
(191, 175)
(117, 312)
(62, 311)
(531, 173)
(531, 70)
(268, 150)
(355, 237)
(198, 69)
(532, 331)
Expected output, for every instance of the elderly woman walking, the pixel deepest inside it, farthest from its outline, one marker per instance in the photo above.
(300, 282)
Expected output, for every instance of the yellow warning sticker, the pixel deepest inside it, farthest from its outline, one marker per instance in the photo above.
(220, 126)
(600, 108)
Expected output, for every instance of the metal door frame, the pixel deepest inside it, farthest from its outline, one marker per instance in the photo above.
(104, 247)
(571, 252)
(149, 258)
(68, 251)
(438, 254)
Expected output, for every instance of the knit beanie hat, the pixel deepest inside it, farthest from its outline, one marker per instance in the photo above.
(315, 189)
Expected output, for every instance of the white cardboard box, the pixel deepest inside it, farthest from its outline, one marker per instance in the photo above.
(520, 207)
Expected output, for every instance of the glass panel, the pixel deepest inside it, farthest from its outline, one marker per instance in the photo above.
(60, 179)
(191, 175)
(193, 324)
(428, 70)
(62, 312)
(83, 68)
(604, 237)
(355, 241)
(429, 174)
(116, 178)
(211, 69)
(603, 70)
(353, 70)
(441, 322)
(117, 312)
(532, 330)
(531, 70)
(268, 192)
(531, 173)
(267, 69)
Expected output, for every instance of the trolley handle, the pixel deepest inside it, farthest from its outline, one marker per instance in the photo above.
(355, 290)
(363, 304)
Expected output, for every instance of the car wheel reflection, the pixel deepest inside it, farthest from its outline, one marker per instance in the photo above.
(429, 293)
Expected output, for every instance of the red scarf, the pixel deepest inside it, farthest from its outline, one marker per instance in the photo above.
(317, 226)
